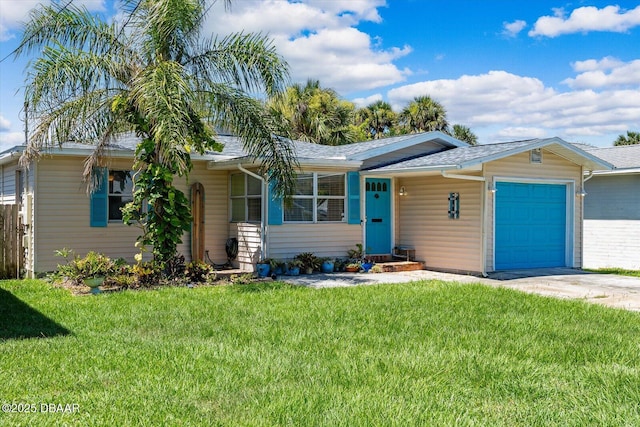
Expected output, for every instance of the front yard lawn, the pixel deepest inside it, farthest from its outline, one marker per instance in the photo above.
(426, 353)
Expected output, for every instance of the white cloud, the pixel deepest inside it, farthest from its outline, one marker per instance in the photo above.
(586, 19)
(10, 139)
(13, 13)
(606, 73)
(319, 40)
(5, 124)
(518, 107)
(515, 133)
(605, 63)
(512, 29)
(363, 102)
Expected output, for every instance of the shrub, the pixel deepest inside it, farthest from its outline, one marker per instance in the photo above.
(198, 271)
(309, 260)
(146, 274)
(77, 269)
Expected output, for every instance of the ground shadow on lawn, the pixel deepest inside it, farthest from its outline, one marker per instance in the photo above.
(18, 320)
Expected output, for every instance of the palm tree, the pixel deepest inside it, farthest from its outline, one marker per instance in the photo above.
(155, 75)
(424, 114)
(463, 133)
(312, 113)
(376, 119)
(631, 139)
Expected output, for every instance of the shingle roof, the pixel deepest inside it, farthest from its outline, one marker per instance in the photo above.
(307, 150)
(458, 156)
(463, 157)
(622, 156)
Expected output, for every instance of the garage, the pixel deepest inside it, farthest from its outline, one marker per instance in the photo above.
(530, 225)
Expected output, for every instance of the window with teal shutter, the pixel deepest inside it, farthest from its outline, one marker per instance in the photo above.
(275, 206)
(99, 203)
(353, 181)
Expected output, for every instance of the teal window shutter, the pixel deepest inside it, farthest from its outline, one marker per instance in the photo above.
(99, 204)
(353, 185)
(275, 207)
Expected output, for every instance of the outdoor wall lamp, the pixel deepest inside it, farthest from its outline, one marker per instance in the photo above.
(492, 188)
(581, 193)
(403, 191)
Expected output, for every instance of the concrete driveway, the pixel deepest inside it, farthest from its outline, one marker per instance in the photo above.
(607, 289)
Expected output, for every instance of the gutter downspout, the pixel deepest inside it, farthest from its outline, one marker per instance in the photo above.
(587, 178)
(483, 238)
(264, 213)
(582, 190)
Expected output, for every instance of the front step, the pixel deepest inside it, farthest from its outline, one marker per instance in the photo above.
(395, 266)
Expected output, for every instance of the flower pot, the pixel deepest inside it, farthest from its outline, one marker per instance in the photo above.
(367, 266)
(327, 267)
(94, 283)
(308, 270)
(294, 271)
(263, 270)
(352, 269)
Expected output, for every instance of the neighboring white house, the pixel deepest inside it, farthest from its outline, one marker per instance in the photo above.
(612, 210)
(462, 208)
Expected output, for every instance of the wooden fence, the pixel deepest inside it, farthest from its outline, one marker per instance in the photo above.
(11, 252)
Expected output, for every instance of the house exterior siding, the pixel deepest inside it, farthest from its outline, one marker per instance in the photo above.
(216, 210)
(249, 244)
(324, 240)
(62, 219)
(62, 210)
(424, 224)
(612, 222)
(8, 183)
(553, 169)
(612, 243)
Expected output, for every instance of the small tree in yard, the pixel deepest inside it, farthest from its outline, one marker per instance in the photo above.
(153, 74)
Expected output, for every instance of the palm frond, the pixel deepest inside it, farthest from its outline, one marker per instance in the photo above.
(249, 62)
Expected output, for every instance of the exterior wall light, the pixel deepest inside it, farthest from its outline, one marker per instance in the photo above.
(581, 193)
(492, 188)
(403, 191)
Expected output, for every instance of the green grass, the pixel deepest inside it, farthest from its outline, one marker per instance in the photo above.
(618, 271)
(427, 353)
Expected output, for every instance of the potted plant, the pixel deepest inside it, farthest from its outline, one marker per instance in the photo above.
(327, 265)
(357, 253)
(93, 269)
(277, 266)
(339, 264)
(294, 267)
(263, 268)
(353, 267)
(310, 262)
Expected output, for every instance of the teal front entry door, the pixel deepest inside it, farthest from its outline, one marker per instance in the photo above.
(378, 211)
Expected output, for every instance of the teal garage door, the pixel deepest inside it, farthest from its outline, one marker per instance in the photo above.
(530, 225)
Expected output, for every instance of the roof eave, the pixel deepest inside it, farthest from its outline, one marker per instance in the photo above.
(335, 163)
(619, 171)
(413, 170)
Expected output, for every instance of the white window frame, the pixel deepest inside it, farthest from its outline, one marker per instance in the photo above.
(315, 197)
(110, 194)
(246, 198)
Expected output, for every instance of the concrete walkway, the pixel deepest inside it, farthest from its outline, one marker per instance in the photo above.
(607, 289)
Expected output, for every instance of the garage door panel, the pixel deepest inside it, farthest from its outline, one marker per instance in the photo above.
(530, 226)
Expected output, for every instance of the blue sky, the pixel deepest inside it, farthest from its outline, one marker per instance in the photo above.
(507, 69)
